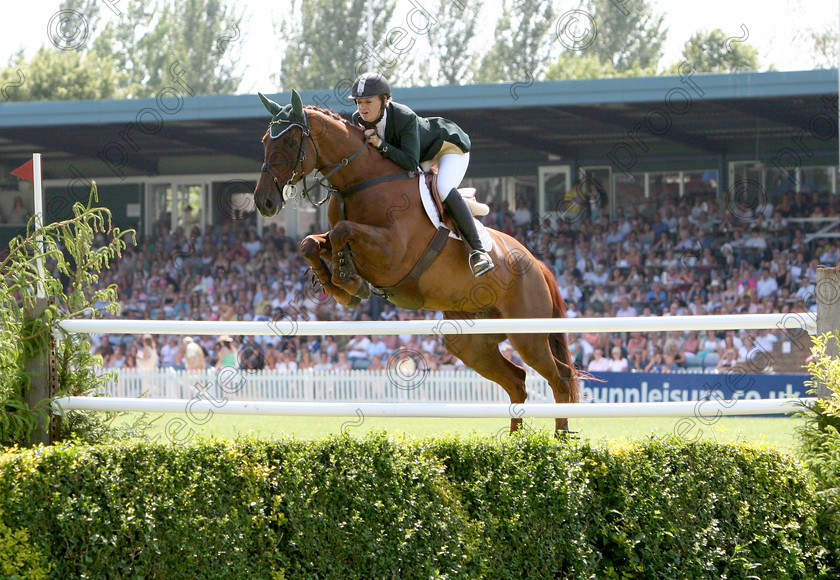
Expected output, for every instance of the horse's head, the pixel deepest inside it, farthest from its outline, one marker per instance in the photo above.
(289, 154)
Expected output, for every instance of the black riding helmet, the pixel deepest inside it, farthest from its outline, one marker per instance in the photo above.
(369, 84)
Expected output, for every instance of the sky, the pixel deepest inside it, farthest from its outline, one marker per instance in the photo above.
(775, 27)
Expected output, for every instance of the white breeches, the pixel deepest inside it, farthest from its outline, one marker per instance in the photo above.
(451, 170)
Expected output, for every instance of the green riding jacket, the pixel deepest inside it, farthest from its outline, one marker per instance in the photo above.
(411, 139)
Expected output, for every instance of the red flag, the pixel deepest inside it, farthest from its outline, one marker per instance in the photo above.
(25, 171)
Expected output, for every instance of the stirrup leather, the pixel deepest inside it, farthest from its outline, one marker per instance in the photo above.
(480, 263)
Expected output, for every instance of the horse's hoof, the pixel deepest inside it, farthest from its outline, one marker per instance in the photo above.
(364, 290)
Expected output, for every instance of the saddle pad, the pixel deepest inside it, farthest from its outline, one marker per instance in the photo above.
(434, 216)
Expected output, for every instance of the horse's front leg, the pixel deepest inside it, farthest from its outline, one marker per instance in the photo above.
(359, 247)
(312, 248)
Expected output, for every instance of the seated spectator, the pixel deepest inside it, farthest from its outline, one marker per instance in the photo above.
(388, 312)
(324, 363)
(342, 364)
(618, 363)
(168, 351)
(225, 352)
(286, 363)
(670, 364)
(766, 285)
(656, 297)
(598, 362)
(522, 215)
(637, 343)
(250, 356)
(305, 362)
(675, 309)
(620, 294)
(105, 348)
(728, 360)
(691, 345)
(430, 363)
(756, 240)
(657, 363)
(376, 364)
(430, 343)
(626, 310)
(599, 299)
(672, 352)
(575, 350)
(596, 277)
(116, 359)
(377, 347)
(616, 278)
(357, 347)
(637, 361)
(147, 356)
(194, 357)
(569, 289)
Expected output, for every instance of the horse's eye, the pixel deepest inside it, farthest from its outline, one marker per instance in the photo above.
(292, 143)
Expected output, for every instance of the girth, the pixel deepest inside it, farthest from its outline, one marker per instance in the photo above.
(408, 285)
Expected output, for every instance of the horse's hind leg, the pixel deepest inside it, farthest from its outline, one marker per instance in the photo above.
(312, 247)
(481, 353)
(536, 352)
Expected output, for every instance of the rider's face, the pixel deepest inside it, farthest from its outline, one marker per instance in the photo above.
(369, 108)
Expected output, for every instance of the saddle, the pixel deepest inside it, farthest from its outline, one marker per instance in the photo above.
(477, 208)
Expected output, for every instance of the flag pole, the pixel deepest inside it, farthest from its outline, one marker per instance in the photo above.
(39, 222)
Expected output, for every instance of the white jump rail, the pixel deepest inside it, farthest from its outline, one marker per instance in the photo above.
(199, 407)
(286, 328)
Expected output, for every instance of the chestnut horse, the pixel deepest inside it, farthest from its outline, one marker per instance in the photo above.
(379, 232)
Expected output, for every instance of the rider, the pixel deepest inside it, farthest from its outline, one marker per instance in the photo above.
(408, 140)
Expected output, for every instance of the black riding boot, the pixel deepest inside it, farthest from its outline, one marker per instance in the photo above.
(480, 261)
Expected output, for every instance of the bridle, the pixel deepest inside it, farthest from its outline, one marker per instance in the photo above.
(289, 190)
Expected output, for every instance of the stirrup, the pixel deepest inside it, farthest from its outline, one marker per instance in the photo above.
(480, 263)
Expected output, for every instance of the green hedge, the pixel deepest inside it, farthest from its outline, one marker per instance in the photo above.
(525, 506)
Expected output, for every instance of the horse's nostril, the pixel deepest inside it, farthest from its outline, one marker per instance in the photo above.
(269, 204)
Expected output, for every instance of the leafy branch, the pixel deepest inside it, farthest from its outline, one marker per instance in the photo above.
(79, 248)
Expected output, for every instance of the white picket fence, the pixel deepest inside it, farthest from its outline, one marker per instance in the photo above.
(461, 386)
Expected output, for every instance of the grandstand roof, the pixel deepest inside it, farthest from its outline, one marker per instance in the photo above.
(514, 126)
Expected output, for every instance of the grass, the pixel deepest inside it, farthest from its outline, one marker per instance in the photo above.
(778, 431)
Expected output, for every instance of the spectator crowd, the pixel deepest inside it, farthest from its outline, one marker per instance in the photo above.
(692, 255)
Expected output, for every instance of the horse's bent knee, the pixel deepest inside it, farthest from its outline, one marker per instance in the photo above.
(341, 233)
(310, 247)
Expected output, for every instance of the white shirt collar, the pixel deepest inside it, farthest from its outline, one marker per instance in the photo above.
(380, 126)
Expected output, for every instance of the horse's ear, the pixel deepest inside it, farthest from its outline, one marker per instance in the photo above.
(272, 107)
(297, 104)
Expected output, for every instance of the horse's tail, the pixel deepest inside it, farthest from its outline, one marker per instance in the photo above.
(557, 341)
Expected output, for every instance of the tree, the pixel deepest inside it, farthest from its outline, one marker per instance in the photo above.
(587, 66)
(150, 48)
(717, 51)
(53, 75)
(327, 43)
(198, 37)
(612, 40)
(629, 34)
(451, 57)
(71, 248)
(522, 48)
(825, 47)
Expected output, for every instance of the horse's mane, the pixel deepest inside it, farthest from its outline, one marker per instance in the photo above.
(344, 119)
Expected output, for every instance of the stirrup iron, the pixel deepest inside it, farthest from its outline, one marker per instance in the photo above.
(480, 263)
